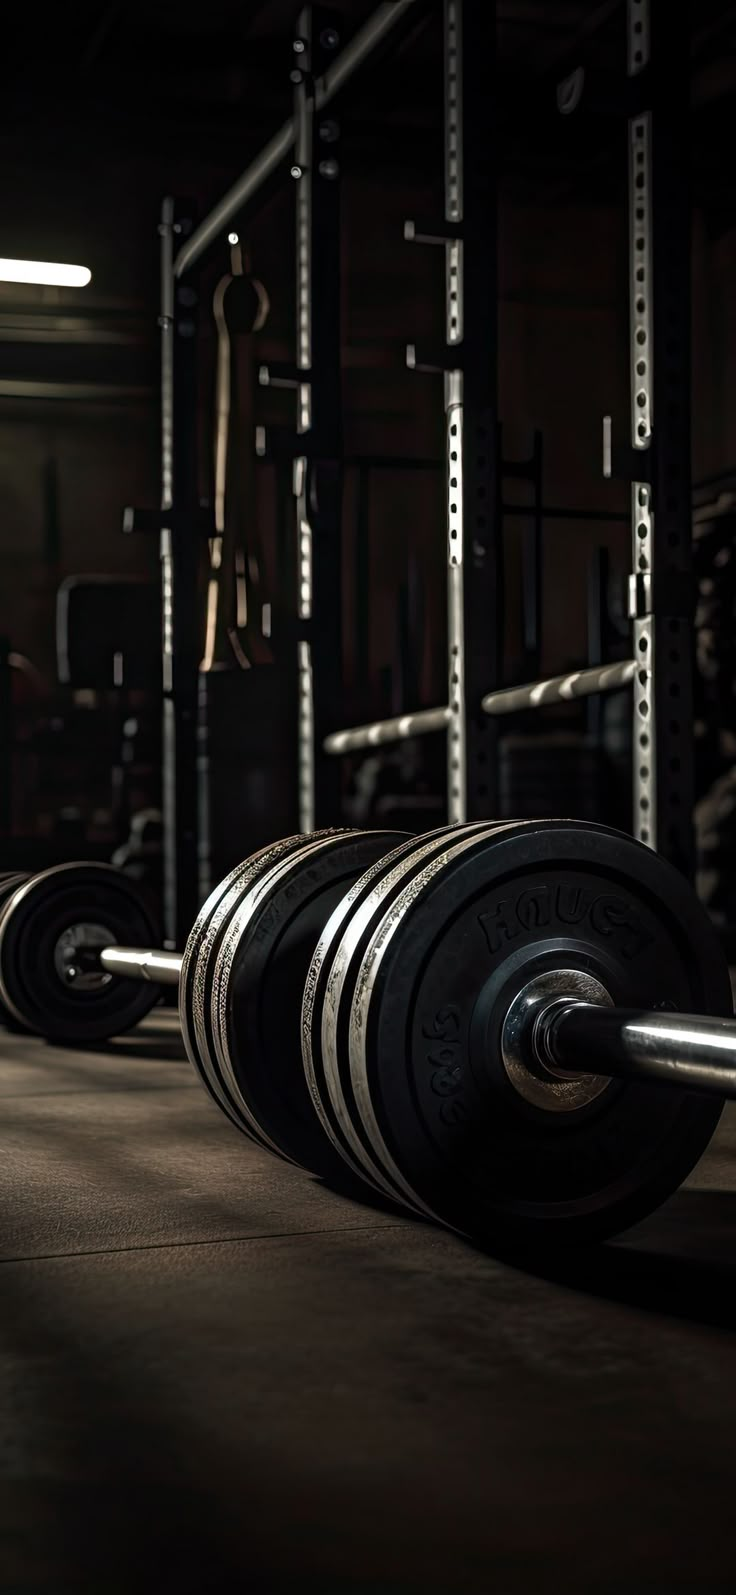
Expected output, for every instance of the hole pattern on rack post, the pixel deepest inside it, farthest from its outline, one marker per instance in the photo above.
(453, 172)
(638, 35)
(306, 739)
(304, 336)
(644, 733)
(641, 276)
(454, 273)
(644, 740)
(456, 749)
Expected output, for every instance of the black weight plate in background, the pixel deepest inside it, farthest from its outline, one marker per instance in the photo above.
(231, 903)
(532, 897)
(327, 1001)
(263, 989)
(195, 982)
(33, 923)
(242, 910)
(9, 884)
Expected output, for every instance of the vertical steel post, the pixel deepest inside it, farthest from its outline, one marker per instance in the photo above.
(179, 551)
(474, 555)
(659, 275)
(532, 567)
(317, 482)
(362, 580)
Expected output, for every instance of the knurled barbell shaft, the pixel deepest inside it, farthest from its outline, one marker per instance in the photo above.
(140, 963)
(687, 1051)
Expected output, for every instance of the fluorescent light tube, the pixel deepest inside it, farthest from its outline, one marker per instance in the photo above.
(45, 271)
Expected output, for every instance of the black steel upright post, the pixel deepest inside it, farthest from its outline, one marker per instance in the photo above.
(475, 553)
(532, 555)
(597, 596)
(469, 363)
(318, 471)
(180, 557)
(362, 612)
(662, 599)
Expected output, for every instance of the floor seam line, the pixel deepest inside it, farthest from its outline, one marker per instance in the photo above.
(79, 1091)
(225, 1240)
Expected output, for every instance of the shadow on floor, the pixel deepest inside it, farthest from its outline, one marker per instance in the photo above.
(166, 1046)
(681, 1263)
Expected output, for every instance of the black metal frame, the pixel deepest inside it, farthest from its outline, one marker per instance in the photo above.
(180, 522)
(656, 462)
(181, 548)
(482, 528)
(316, 454)
(318, 476)
(672, 595)
(468, 233)
(314, 449)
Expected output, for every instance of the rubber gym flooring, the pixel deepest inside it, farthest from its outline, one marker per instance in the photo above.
(219, 1376)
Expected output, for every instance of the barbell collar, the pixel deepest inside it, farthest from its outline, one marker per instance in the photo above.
(689, 1052)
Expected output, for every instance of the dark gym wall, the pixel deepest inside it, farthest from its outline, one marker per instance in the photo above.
(714, 347)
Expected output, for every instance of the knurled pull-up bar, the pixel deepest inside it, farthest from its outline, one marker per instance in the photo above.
(507, 700)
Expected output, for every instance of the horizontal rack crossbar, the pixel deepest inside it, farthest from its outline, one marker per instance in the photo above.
(508, 700)
(421, 723)
(560, 689)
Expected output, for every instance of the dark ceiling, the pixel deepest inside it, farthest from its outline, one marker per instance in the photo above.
(157, 75)
(107, 107)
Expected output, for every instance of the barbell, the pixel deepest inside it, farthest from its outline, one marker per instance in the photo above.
(477, 1023)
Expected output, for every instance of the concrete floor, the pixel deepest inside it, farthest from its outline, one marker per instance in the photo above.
(218, 1376)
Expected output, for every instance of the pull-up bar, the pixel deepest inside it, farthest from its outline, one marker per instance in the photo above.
(364, 42)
